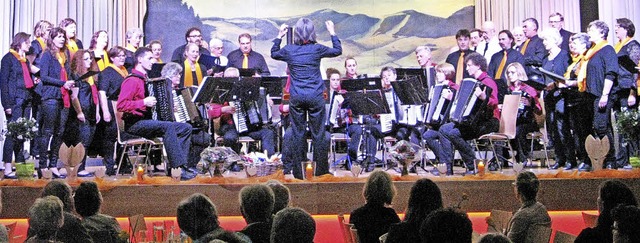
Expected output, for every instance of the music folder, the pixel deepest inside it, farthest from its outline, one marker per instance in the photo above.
(156, 70)
(366, 103)
(628, 64)
(408, 92)
(554, 76)
(210, 63)
(213, 89)
(88, 74)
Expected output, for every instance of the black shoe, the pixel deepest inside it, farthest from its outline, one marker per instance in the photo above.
(11, 175)
(187, 175)
(413, 170)
(584, 167)
(610, 166)
(110, 171)
(235, 167)
(554, 166)
(568, 166)
(369, 167)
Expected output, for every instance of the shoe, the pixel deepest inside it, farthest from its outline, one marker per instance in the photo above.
(369, 167)
(186, 175)
(435, 172)
(470, 172)
(413, 170)
(11, 175)
(56, 174)
(84, 173)
(110, 171)
(555, 166)
(568, 166)
(235, 167)
(192, 169)
(584, 167)
(627, 167)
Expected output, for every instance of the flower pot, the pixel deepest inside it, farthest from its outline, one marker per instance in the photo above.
(24, 171)
(635, 162)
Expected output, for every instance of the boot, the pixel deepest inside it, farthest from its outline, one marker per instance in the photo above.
(449, 169)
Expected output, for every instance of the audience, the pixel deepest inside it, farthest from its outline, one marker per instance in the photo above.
(611, 194)
(256, 205)
(425, 197)
(72, 229)
(293, 225)
(100, 227)
(626, 224)
(4, 235)
(446, 225)
(197, 217)
(281, 193)
(494, 238)
(45, 219)
(531, 212)
(374, 218)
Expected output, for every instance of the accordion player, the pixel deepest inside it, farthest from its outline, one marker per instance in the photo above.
(173, 104)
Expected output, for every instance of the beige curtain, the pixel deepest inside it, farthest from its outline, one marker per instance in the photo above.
(114, 16)
(610, 10)
(507, 14)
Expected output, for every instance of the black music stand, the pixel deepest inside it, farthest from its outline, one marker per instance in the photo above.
(408, 92)
(420, 73)
(248, 72)
(273, 86)
(156, 70)
(210, 63)
(214, 89)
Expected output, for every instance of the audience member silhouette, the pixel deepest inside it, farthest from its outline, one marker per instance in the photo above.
(531, 212)
(293, 225)
(447, 225)
(425, 197)
(88, 200)
(256, 205)
(45, 219)
(374, 218)
(626, 224)
(281, 193)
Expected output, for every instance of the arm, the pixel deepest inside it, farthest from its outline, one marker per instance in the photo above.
(517, 229)
(611, 72)
(76, 104)
(276, 52)
(128, 100)
(104, 106)
(47, 62)
(5, 70)
(337, 46)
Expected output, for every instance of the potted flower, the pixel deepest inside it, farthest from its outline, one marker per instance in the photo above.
(21, 130)
(628, 125)
(216, 159)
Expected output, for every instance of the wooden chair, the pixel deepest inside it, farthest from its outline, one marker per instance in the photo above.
(137, 225)
(507, 131)
(590, 220)
(11, 231)
(538, 234)
(129, 141)
(563, 237)
(541, 135)
(500, 220)
(345, 228)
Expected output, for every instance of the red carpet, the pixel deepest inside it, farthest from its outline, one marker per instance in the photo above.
(328, 229)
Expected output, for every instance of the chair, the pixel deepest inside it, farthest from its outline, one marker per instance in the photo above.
(507, 131)
(354, 234)
(345, 228)
(137, 225)
(500, 220)
(383, 237)
(541, 135)
(11, 231)
(244, 140)
(538, 233)
(336, 137)
(563, 237)
(129, 141)
(590, 220)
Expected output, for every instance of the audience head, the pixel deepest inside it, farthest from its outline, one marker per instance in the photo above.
(99, 40)
(494, 238)
(87, 199)
(551, 38)
(530, 27)
(231, 72)
(281, 193)
(423, 54)
(611, 194)
(57, 40)
(144, 58)
(446, 225)
(351, 66)
(293, 225)
(46, 216)
(193, 35)
(244, 40)
(624, 28)
(556, 20)
(134, 37)
(20, 42)
(527, 185)
(69, 26)
(62, 191)
(197, 216)
(221, 236)
(304, 32)
(424, 198)
(476, 64)
(117, 55)
(518, 35)
(216, 46)
(506, 40)
(379, 188)
(445, 72)
(462, 38)
(515, 72)
(256, 203)
(156, 48)
(579, 43)
(626, 224)
(42, 29)
(598, 31)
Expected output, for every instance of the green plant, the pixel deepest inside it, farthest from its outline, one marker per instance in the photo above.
(627, 124)
(22, 129)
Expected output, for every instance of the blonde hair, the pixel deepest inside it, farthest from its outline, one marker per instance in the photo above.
(448, 70)
(522, 75)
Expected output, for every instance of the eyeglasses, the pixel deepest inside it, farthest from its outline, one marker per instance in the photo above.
(195, 36)
(121, 55)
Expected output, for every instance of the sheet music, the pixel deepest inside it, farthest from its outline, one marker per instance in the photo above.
(386, 120)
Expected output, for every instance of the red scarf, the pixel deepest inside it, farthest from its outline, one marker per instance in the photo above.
(26, 75)
(94, 89)
(66, 99)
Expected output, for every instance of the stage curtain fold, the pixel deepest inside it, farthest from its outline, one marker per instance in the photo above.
(507, 14)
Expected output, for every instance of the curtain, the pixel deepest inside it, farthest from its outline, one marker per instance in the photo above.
(507, 14)
(610, 10)
(114, 16)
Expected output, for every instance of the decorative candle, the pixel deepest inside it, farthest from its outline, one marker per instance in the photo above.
(481, 168)
(308, 171)
(140, 172)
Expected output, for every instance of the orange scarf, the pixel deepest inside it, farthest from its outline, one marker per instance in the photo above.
(582, 73)
(72, 46)
(575, 61)
(41, 42)
(131, 48)
(121, 70)
(66, 99)
(104, 61)
(188, 77)
(26, 75)
(621, 44)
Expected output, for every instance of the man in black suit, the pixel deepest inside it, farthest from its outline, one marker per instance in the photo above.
(244, 57)
(556, 20)
(532, 49)
(498, 64)
(193, 35)
(457, 58)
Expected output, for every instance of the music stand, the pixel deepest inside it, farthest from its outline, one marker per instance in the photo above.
(273, 85)
(156, 70)
(248, 72)
(407, 73)
(408, 92)
(245, 89)
(214, 89)
(360, 84)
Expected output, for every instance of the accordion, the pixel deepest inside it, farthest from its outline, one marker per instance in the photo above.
(172, 105)
(467, 109)
(439, 108)
(251, 115)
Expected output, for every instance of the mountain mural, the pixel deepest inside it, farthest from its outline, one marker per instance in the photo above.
(374, 42)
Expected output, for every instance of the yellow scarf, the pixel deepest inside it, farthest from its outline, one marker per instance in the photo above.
(90, 80)
(159, 60)
(104, 62)
(621, 44)
(62, 58)
(582, 72)
(188, 77)
(41, 42)
(72, 46)
(121, 70)
(575, 61)
(131, 48)
(20, 58)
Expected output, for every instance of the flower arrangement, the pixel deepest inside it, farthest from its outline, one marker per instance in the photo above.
(259, 164)
(403, 152)
(627, 124)
(22, 129)
(218, 158)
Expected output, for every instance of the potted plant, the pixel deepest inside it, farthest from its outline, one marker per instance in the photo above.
(22, 130)
(628, 125)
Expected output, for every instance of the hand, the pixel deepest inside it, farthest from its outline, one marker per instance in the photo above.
(480, 93)
(204, 45)
(209, 72)
(270, 101)
(447, 94)
(106, 116)
(283, 31)
(218, 75)
(330, 27)
(562, 85)
(150, 101)
(81, 117)
(285, 109)
(631, 101)
(36, 80)
(228, 110)
(69, 84)
(603, 101)
(7, 111)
